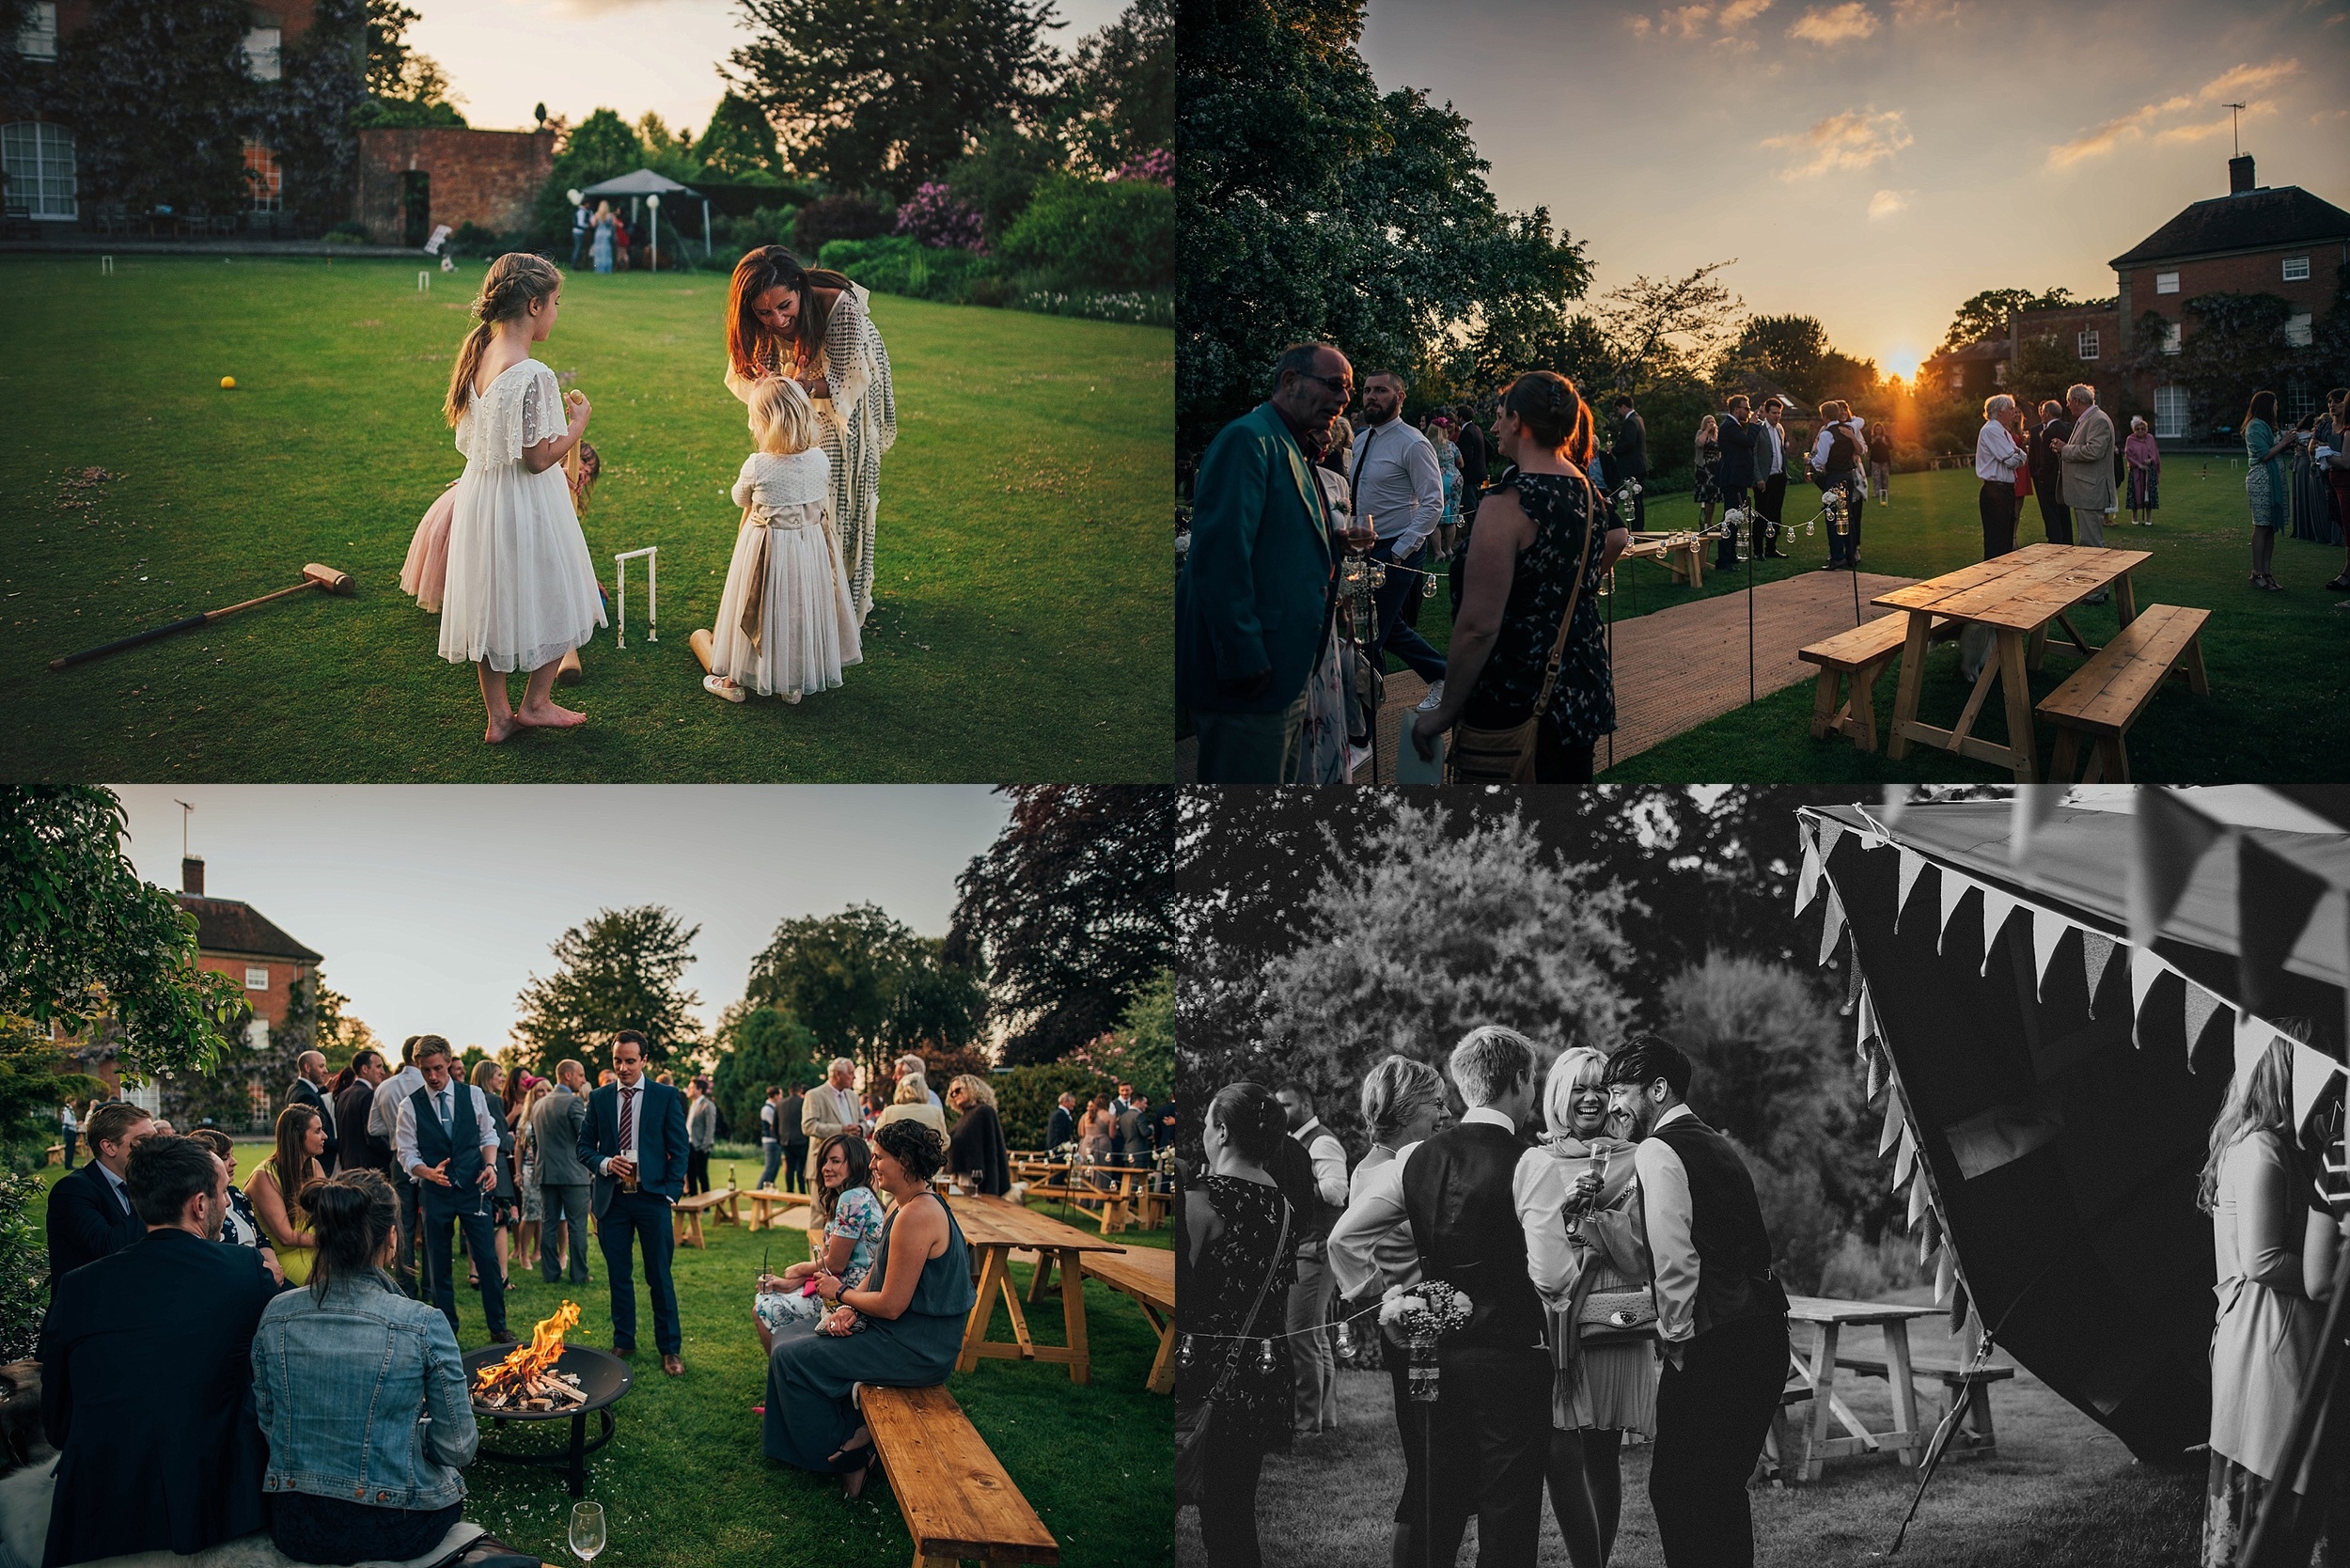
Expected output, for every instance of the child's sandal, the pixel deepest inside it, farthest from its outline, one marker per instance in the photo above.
(718, 685)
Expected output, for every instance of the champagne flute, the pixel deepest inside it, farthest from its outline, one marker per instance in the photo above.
(587, 1531)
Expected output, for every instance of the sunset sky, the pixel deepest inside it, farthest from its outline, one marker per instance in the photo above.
(575, 55)
(1873, 163)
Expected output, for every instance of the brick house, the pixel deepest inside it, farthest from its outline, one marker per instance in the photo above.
(412, 179)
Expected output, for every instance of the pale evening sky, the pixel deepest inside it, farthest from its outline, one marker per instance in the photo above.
(502, 56)
(1873, 163)
(433, 904)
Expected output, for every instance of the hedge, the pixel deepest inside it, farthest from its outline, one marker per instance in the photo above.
(1081, 233)
(1025, 1097)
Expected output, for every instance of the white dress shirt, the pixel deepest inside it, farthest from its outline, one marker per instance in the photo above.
(1329, 1160)
(383, 1110)
(1372, 1247)
(1997, 455)
(636, 1123)
(404, 1136)
(1673, 1250)
(1770, 449)
(1827, 438)
(1396, 483)
(121, 1191)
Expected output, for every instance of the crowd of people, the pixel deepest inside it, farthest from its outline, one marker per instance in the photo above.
(295, 1340)
(2297, 477)
(1618, 1280)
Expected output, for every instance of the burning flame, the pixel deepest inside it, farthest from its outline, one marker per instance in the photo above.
(533, 1359)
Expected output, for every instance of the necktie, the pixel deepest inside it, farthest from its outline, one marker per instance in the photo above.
(442, 1100)
(628, 1120)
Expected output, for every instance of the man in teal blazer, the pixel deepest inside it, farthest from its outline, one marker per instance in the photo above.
(1252, 604)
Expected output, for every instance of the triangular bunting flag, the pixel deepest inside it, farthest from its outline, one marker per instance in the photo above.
(2201, 1005)
(1996, 907)
(2097, 950)
(1905, 1159)
(2274, 898)
(2253, 1036)
(2311, 1072)
(1808, 879)
(1832, 927)
(1954, 889)
(1876, 1071)
(1917, 1201)
(1958, 1305)
(2145, 968)
(1912, 864)
(1929, 1237)
(1894, 1122)
(2171, 841)
(2035, 806)
(1853, 985)
(1868, 1014)
(1830, 831)
(2046, 932)
(1945, 1277)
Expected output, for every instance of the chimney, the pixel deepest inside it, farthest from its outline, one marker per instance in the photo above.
(192, 875)
(2239, 174)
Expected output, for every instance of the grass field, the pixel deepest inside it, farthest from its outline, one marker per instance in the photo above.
(2060, 1490)
(2272, 657)
(683, 1481)
(1021, 601)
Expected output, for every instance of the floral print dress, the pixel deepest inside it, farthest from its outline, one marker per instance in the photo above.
(1582, 703)
(858, 1216)
(1249, 1378)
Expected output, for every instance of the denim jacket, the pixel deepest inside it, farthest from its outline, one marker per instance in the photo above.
(362, 1397)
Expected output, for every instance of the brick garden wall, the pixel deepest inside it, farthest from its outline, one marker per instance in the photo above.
(484, 177)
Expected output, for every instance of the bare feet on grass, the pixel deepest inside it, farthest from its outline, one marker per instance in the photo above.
(501, 729)
(546, 714)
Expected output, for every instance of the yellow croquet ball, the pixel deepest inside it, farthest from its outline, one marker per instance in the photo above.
(227, 383)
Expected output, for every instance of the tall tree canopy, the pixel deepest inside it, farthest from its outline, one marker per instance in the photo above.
(888, 93)
(1071, 911)
(1984, 317)
(1312, 206)
(1117, 99)
(867, 985)
(738, 144)
(620, 970)
(758, 1046)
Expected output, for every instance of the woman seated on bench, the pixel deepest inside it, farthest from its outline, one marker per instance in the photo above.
(849, 1216)
(904, 1330)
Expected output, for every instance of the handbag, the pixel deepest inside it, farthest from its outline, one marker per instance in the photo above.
(1614, 1312)
(1194, 1437)
(1506, 755)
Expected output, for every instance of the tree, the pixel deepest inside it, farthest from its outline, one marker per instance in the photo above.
(888, 93)
(1001, 172)
(666, 151)
(35, 1079)
(1789, 350)
(867, 985)
(1117, 99)
(340, 1034)
(1984, 317)
(597, 149)
(2235, 346)
(1657, 327)
(738, 145)
(1141, 1050)
(404, 86)
(1069, 912)
(759, 1046)
(160, 102)
(312, 116)
(82, 938)
(620, 970)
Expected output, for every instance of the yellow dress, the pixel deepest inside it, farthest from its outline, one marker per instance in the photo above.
(296, 1261)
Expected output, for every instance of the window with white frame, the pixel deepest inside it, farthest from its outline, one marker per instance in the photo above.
(1999, 373)
(2165, 283)
(262, 178)
(1958, 381)
(2171, 413)
(2300, 402)
(37, 161)
(148, 1096)
(261, 54)
(2089, 344)
(256, 1034)
(2298, 330)
(2171, 333)
(257, 1100)
(255, 977)
(36, 35)
(2296, 269)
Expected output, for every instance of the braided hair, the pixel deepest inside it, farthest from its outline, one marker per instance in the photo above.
(513, 284)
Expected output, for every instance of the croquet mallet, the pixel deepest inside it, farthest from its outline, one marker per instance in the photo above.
(313, 575)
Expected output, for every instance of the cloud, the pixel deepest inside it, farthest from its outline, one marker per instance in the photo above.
(1886, 203)
(1853, 140)
(1919, 13)
(1835, 24)
(1739, 12)
(2246, 78)
(1694, 22)
(2137, 124)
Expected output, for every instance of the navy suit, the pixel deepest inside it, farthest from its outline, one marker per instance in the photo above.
(147, 1391)
(644, 1215)
(1734, 476)
(87, 1221)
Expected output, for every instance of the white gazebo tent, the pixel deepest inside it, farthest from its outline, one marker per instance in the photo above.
(645, 186)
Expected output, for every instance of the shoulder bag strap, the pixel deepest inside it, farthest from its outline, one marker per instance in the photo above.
(1231, 1361)
(1566, 623)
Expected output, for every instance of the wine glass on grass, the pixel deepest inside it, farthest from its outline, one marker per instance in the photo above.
(587, 1531)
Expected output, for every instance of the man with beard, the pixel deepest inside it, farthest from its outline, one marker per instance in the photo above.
(1253, 601)
(1720, 1315)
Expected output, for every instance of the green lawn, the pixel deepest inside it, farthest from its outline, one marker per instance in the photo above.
(2273, 659)
(1020, 598)
(684, 1483)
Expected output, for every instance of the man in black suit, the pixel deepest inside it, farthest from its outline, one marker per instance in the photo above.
(1628, 458)
(1720, 1313)
(1472, 444)
(1490, 1430)
(636, 1146)
(1770, 475)
(2048, 471)
(351, 1106)
(309, 1088)
(89, 1211)
(146, 1374)
(1734, 475)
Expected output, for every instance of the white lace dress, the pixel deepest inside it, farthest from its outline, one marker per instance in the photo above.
(521, 589)
(786, 581)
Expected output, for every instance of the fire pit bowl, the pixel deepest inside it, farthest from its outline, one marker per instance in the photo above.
(603, 1379)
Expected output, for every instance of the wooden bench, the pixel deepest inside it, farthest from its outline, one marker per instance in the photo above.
(1850, 663)
(957, 1500)
(772, 1210)
(1974, 1434)
(56, 1153)
(685, 1215)
(2104, 698)
(1147, 1275)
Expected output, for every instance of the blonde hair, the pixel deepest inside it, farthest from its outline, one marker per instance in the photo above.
(782, 418)
(2260, 1099)
(1393, 1092)
(911, 1091)
(975, 1089)
(515, 283)
(1566, 1077)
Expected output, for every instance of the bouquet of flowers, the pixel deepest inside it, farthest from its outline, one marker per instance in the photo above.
(1424, 1313)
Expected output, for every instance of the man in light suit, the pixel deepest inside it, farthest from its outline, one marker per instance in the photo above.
(556, 1123)
(1254, 598)
(2088, 457)
(309, 1088)
(636, 1138)
(829, 1107)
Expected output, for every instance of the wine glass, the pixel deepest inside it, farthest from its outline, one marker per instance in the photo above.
(587, 1531)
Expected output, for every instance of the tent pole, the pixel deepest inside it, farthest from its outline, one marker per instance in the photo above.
(706, 246)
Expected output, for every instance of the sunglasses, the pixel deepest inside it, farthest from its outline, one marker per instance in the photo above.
(1340, 385)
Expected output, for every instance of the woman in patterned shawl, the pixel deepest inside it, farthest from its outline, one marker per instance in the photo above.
(811, 325)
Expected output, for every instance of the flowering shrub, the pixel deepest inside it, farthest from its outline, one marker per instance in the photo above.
(1156, 166)
(1145, 308)
(935, 218)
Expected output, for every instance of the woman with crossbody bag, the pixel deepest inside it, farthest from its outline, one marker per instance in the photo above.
(1527, 691)
(1587, 1251)
(1237, 1261)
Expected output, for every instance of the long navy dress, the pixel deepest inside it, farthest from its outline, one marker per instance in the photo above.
(809, 1413)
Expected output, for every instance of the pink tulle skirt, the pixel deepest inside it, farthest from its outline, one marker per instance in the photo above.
(427, 569)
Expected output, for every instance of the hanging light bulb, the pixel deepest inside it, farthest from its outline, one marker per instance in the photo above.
(1266, 1363)
(1428, 585)
(1346, 1342)
(1608, 583)
(1185, 1352)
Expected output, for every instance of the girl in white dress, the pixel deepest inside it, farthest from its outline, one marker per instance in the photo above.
(521, 590)
(787, 622)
